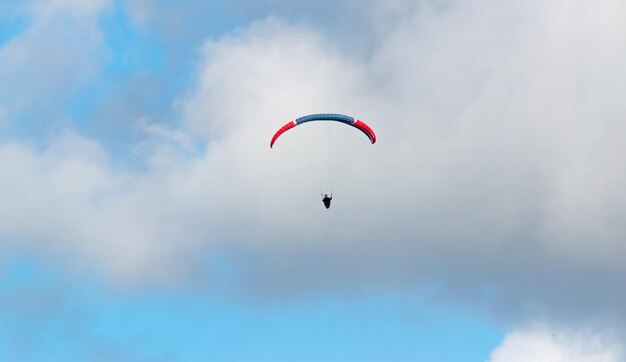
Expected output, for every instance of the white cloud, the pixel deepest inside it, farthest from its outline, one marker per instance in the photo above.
(163, 135)
(268, 74)
(68, 201)
(543, 345)
(496, 171)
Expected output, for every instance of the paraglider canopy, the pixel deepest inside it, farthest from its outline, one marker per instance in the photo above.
(360, 125)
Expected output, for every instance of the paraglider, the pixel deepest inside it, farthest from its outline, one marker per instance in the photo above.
(326, 200)
(318, 144)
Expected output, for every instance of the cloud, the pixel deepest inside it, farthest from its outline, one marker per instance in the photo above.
(540, 344)
(496, 178)
(56, 54)
(72, 202)
(496, 175)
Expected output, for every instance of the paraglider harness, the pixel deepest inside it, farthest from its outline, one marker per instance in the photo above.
(326, 199)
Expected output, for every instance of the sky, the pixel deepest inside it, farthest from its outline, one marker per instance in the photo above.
(143, 216)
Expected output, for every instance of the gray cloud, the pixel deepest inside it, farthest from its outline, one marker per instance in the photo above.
(55, 55)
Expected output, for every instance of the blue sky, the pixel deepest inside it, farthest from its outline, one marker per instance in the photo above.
(64, 317)
(144, 217)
